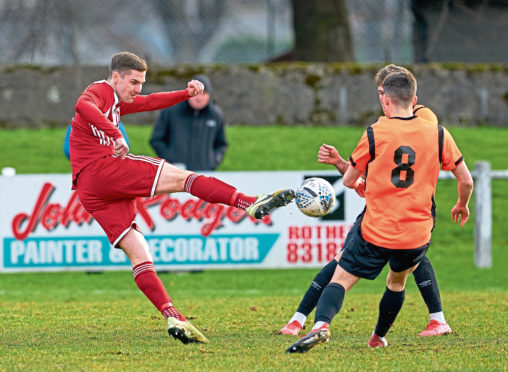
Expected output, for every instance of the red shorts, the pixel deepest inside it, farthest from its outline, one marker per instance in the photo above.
(109, 186)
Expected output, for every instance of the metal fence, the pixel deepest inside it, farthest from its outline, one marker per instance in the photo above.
(381, 30)
(56, 32)
(163, 31)
(230, 31)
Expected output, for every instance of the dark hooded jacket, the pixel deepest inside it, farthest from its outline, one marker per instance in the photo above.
(195, 138)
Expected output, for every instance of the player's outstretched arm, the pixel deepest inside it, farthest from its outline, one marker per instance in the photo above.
(460, 212)
(161, 100)
(329, 155)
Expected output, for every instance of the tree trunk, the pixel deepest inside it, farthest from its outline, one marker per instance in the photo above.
(322, 31)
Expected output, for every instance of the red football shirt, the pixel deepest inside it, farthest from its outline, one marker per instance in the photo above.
(95, 123)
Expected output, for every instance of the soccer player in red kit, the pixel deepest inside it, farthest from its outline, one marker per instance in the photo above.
(401, 156)
(108, 178)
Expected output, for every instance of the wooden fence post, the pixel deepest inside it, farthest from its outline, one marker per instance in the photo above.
(483, 215)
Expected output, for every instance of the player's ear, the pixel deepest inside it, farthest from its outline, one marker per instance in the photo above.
(386, 100)
(415, 100)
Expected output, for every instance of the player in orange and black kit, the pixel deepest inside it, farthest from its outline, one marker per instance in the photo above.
(424, 275)
(401, 156)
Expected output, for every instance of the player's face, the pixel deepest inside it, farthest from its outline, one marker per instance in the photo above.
(381, 95)
(129, 84)
(200, 101)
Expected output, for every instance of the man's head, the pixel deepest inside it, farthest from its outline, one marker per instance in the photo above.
(381, 76)
(399, 90)
(388, 70)
(127, 74)
(200, 101)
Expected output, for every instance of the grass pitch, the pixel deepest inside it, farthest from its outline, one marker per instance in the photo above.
(102, 322)
(79, 321)
(250, 148)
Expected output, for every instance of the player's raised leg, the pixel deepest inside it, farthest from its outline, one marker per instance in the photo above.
(213, 190)
(425, 278)
(136, 248)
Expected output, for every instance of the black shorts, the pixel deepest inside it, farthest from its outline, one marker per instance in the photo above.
(366, 260)
(353, 230)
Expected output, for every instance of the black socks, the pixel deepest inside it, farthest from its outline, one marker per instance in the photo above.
(330, 302)
(321, 280)
(389, 308)
(425, 279)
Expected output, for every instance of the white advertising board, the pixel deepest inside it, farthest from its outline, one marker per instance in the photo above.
(43, 227)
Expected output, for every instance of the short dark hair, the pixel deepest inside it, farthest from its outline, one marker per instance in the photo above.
(400, 87)
(388, 70)
(125, 61)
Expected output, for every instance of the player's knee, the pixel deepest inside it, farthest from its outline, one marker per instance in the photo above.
(171, 179)
(395, 287)
(397, 281)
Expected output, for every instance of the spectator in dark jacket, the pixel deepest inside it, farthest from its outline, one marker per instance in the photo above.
(191, 133)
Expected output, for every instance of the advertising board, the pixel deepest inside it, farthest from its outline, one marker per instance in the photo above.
(43, 227)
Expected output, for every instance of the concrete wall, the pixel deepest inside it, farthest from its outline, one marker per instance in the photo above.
(295, 94)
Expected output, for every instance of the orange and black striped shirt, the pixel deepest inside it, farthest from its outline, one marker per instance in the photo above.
(402, 158)
(425, 113)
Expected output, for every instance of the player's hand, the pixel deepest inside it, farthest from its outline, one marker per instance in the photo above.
(195, 87)
(328, 154)
(360, 187)
(121, 148)
(460, 213)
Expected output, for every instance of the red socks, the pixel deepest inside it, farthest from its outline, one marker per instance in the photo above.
(242, 201)
(213, 190)
(150, 284)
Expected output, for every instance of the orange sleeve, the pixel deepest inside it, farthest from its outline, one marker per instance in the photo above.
(451, 153)
(361, 156)
(425, 113)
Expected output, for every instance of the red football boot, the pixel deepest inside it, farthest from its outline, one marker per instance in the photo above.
(436, 329)
(294, 328)
(376, 341)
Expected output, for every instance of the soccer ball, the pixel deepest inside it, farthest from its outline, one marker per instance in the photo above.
(315, 197)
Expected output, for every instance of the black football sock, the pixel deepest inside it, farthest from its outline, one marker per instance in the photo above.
(425, 279)
(389, 307)
(329, 303)
(311, 297)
